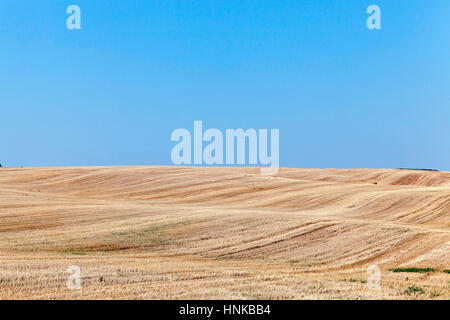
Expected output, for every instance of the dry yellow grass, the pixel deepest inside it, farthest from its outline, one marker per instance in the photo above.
(222, 233)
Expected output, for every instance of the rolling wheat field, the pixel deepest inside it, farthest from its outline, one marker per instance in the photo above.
(223, 233)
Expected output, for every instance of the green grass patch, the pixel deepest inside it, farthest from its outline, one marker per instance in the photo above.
(145, 236)
(435, 294)
(414, 290)
(446, 271)
(413, 269)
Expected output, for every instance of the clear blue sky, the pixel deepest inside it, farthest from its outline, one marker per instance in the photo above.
(111, 93)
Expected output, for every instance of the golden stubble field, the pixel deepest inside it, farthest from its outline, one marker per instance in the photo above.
(223, 233)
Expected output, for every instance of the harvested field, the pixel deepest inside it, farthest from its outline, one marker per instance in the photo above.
(223, 233)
